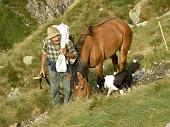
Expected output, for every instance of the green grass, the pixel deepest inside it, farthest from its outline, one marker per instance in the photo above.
(3, 121)
(148, 41)
(14, 18)
(148, 106)
(42, 100)
(81, 16)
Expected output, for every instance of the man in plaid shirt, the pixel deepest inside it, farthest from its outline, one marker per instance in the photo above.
(50, 52)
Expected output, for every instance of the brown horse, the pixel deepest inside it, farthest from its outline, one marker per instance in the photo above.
(100, 43)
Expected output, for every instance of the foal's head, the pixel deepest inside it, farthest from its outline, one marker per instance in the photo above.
(82, 89)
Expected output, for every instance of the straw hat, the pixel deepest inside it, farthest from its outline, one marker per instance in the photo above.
(52, 32)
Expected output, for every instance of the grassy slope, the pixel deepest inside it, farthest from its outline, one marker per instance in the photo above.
(16, 74)
(145, 106)
(148, 41)
(81, 16)
(13, 24)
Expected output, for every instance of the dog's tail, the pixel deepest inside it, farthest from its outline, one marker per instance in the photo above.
(133, 66)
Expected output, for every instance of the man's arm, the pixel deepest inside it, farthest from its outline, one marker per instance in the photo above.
(43, 60)
(72, 53)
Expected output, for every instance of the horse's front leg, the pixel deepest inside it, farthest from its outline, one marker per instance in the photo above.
(115, 63)
(123, 58)
(100, 77)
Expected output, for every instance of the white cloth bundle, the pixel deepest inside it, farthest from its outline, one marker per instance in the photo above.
(61, 63)
(64, 30)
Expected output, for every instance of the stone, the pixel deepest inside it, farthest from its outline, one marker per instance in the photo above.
(48, 10)
(136, 12)
(28, 60)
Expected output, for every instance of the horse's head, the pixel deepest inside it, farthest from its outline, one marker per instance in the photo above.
(80, 67)
(81, 89)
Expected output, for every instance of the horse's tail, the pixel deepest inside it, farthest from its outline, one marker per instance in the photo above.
(134, 66)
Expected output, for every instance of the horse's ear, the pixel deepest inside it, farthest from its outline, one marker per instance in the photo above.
(79, 75)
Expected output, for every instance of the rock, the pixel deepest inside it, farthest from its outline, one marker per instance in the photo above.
(158, 77)
(142, 24)
(27, 25)
(136, 13)
(168, 125)
(47, 10)
(14, 93)
(1, 67)
(101, 9)
(28, 60)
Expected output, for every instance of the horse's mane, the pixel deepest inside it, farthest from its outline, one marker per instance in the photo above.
(90, 31)
(104, 21)
(80, 43)
(78, 66)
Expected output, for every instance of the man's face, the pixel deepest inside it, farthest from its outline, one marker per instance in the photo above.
(56, 39)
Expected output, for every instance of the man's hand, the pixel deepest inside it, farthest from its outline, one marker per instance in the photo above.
(63, 51)
(42, 72)
(70, 55)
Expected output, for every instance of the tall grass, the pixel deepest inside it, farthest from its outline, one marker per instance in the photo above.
(146, 106)
(15, 23)
(148, 41)
(3, 121)
(117, 109)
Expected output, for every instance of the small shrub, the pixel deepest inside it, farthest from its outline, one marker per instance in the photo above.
(23, 109)
(42, 100)
(3, 121)
(97, 101)
(12, 76)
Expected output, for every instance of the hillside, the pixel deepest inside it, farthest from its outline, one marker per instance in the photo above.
(20, 18)
(15, 24)
(151, 97)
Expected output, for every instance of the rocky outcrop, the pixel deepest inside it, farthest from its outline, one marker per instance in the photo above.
(137, 13)
(47, 10)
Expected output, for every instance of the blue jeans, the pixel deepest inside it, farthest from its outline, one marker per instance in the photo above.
(55, 79)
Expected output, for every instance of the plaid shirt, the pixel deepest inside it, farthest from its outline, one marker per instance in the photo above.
(52, 50)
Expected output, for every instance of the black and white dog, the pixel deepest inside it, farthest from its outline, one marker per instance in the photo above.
(122, 79)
